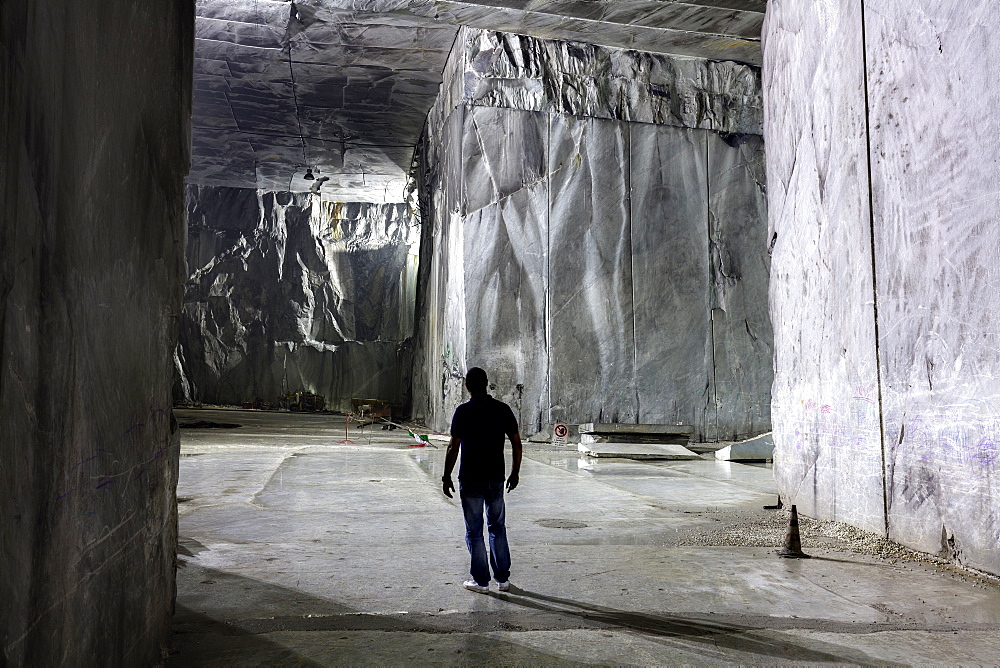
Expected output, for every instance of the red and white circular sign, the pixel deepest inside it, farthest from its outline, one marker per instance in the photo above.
(561, 431)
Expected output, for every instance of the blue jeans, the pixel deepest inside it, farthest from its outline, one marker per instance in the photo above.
(475, 496)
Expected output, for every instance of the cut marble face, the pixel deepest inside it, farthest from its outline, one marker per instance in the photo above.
(882, 209)
(590, 249)
(289, 293)
(339, 89)
(639, 177)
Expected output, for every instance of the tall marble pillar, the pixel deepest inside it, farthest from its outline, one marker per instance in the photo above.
(882, 197)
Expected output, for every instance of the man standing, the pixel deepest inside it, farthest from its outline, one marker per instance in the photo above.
(478, 429)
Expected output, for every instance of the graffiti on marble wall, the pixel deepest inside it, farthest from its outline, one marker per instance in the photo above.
(847, 424)
(864, 393)
(101, 471)
(954, 436)
(965, 435)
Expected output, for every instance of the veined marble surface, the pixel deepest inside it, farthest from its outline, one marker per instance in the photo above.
(742, 335)
(826, 398)
(592, 340)
(506, 280)
(644, 229)
(589, 255)
(502, 153)
(95, 112)
(671, 268)
(934, 151)
(919, 263)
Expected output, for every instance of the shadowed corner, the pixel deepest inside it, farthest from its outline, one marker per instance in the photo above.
(201, 640)
(740, 638)
(210, 625)
(228, 619)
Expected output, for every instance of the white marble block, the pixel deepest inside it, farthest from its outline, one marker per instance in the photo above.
(611, 270)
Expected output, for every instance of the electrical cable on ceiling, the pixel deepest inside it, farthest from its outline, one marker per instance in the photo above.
(295, 99)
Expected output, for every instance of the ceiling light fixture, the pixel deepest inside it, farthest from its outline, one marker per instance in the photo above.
(309, 174)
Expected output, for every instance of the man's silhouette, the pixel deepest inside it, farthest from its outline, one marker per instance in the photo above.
(478, 430)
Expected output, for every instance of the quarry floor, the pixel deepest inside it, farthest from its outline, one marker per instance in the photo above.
(298, 549)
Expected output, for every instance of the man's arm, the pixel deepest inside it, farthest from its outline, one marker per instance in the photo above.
(515, 467)
(450, 457)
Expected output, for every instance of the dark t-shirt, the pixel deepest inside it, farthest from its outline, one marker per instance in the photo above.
(482, 423)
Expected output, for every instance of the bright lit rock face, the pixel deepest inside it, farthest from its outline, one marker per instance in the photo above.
(600, 269)
(515, 72)
(95, 115)
(889, 305)
(288, 293)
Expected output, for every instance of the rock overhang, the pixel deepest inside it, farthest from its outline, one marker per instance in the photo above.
(341, 88)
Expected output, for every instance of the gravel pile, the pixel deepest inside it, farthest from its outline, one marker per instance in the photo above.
(770, 531)
(767, 532)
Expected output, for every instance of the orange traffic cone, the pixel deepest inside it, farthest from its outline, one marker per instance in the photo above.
(793, 545)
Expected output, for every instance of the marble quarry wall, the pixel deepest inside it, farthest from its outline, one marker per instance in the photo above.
(95, 128)
(882, 156)
(595, 237)
(288, 293)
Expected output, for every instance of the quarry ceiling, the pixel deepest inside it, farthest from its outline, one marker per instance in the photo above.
(341, 88)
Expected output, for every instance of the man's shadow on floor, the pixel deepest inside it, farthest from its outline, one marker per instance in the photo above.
(717, 634)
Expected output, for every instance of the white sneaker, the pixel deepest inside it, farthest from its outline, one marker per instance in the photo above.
(472, 585)
(504, 586)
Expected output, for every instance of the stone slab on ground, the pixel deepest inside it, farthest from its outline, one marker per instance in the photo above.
(758, 448)
(638, 450)
(623, 428)
(635, 434)
(652, 439)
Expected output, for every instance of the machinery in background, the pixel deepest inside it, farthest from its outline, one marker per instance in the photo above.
(304, 402)
(371, 409)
